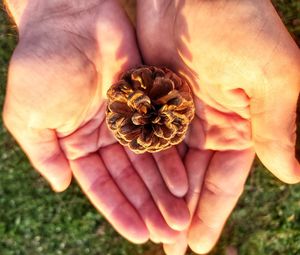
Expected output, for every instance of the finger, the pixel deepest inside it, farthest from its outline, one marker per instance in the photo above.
(222, 186)
(273, 117)
(172, 170)
(129, 182)
(173, 209)
(45, 154)
(196, 163)
(154, 239)
(99, 187)
(177, 248)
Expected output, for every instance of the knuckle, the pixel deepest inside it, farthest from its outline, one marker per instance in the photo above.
(125, 174)
(49, 159)
(231, 191)
(144, 204)
(99, 182)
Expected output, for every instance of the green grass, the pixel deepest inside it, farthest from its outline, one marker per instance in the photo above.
(35, 221)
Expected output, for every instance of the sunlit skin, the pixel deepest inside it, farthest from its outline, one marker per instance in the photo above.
(244, 69)
(68, 54)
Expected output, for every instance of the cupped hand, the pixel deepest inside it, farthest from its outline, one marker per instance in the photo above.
(244, 69)
(68, 55)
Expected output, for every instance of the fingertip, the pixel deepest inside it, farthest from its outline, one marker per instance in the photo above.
(283, 165)
(140, 240)
(59, 182)
(289, 179)
(161, 233)
(177, 247)
(179, 189)
(154, 239)
(201, 238)
(178, 216)
(181, 222)
(59, 187)
(170, 250)
(295, 176)
(140, 236)
(199, 248)
(137, 233)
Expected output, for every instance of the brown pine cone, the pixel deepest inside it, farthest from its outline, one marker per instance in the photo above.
(149, 109)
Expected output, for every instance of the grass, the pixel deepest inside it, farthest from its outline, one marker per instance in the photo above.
(34, 220)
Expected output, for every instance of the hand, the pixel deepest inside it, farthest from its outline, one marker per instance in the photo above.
(68, 54)
(243, 67)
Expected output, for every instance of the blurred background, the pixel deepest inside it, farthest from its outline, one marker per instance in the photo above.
(34, 220)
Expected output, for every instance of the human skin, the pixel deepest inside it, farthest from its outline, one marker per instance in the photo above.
(68, 54)
(244, 69)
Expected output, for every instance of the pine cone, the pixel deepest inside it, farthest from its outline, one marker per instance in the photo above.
(149, 109)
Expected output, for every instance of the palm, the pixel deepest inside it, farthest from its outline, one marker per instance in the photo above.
(234, 58)
(55, 108)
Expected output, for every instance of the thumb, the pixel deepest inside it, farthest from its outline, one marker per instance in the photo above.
(273, 118)
(43, 150)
